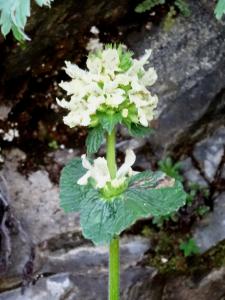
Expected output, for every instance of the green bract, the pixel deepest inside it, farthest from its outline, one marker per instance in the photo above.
(102, 218)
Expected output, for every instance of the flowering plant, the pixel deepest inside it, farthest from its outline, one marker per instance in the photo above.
(112, 91)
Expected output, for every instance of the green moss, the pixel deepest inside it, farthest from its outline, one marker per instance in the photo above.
(167, 257)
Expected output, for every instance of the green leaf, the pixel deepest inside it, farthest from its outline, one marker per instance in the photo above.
(139, 130)
(70, 192)
(148, 194)
(125, 59)
(148, 5)
(189, 247)
(220, 9)
(109, 121)
(13, 17)
(170, 168)
(94, 139)
(102, 219)
(14, 14)
(183, 7)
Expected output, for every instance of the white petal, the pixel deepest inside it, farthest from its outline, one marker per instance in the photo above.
(149, 77)
(94, 64)
(111, 60)
(84, 179)
(100, 172)
(74, 71)
(63, 103)
(129, 161)
(144, 59)
(85, 162)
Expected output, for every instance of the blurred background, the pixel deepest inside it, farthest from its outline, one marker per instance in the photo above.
(178, 257)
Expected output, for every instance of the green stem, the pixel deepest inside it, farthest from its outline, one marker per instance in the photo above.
(114, 269)
(111, 153)
(114, 251)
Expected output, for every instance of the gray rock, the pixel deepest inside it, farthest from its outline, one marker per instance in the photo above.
(52, 288)
(210, 286)
(87, 286)
(209, 153)
(4, 111)
(60, 248)
(82, 273)
(192, 174)
(35, 205)
(93, 259)
(190, 63)
(211, 230)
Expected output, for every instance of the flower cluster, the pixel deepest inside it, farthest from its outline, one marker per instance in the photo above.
(114, 83)
(99, 174)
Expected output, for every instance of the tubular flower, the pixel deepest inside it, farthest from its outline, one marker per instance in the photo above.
(113, 83)
(99, 172)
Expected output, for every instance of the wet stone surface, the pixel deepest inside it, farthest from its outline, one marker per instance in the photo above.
(211, 230)
(210, 153)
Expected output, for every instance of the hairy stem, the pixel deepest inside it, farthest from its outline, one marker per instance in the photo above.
(114, 252)
(111, 153)
(114, 269)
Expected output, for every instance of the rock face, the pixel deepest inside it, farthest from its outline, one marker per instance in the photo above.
(209, 287)
(190, 63)
(212, 228)
(59, 248)
(189, 60)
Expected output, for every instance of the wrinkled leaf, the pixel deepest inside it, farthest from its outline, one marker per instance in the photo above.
(109, 121)
(148, 194)
(138, 130)
(71, 194)
(102, 219)
(94, 139)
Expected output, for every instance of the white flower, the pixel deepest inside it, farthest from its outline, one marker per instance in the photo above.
(149, 77)
(94, 64)
(110, 60)
(100, 173)
(109, 85)
(94, 44)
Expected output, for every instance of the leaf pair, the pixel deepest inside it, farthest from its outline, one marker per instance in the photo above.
(148, 194)
(96, 134)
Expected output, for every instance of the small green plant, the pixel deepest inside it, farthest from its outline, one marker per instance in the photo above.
(53, 145)
(170, 168)
(202, 210)
(182, 6)
(169, 20)
(110, 199)
(189, 247)
(148, 5)
(159, 221)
